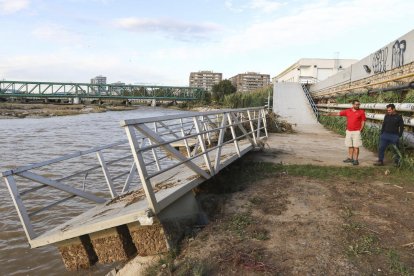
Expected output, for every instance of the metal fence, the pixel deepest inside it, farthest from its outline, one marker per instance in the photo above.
(155, 147)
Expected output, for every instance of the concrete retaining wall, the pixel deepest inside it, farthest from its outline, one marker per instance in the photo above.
(387, 61)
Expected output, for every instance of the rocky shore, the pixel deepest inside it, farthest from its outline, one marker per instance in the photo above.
(33, 110)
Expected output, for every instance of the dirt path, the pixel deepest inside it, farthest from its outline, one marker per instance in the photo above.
(311, 144)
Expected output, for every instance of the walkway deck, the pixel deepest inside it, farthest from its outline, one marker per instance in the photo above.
(129, 208)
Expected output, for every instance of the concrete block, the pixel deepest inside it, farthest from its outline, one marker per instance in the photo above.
(77, 253)
(114, 244)
(148, 239)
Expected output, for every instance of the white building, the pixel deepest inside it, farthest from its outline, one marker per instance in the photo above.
(312, 70)
(204, 79)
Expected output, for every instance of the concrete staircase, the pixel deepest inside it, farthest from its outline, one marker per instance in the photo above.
(290, 102)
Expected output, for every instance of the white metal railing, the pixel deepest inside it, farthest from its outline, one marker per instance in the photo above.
(104, 172)
(69, 178)
(205, 130)
(404, 107)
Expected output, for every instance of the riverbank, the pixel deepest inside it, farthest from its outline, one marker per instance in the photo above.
(273, 219)
(36, 110)
(294, 210)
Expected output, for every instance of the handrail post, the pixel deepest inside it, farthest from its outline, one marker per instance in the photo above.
(21, 209)
(185, 139)
(258, 124)
(203, 145)
(249, 116)
(107, 174)
(265, 122)
(142, 170)
(220, 145)
(233, 133)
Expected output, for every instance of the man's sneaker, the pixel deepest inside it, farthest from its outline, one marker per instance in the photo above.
(379, 163)
(348, 160)
(355, 163)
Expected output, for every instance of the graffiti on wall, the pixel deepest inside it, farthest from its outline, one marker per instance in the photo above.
(379, 60)
(398, 50)
(380, 57)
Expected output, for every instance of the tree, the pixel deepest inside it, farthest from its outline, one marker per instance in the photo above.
(221, 89)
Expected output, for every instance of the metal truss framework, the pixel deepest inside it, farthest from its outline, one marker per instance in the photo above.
(62, 90)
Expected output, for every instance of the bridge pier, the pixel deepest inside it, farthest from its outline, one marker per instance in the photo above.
(76, 100)
(153, 103)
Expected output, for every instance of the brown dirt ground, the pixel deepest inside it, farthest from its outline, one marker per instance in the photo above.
(296, 225)
(289, 225)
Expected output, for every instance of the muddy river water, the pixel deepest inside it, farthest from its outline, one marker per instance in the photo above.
(30, 140)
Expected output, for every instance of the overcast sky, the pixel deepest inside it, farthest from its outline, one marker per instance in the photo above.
(162, 41)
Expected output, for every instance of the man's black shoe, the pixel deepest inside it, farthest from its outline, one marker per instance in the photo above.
(379, 163)
(348, 160)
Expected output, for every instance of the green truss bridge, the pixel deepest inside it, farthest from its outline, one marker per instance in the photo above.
(69, 90)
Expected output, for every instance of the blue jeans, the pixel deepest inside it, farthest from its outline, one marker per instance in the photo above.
(385, 140)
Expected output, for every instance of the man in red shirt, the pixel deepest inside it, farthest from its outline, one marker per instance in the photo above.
(354, 125)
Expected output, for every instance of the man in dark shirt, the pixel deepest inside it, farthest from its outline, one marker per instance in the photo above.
(391, 131)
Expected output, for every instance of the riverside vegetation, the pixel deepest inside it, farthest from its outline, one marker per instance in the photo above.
(224, 95)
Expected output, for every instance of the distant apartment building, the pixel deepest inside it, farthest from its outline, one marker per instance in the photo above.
(100, 80)
(312, 70)
(250, 81)
(205, 79)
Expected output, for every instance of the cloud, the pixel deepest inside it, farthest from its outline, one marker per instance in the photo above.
(172, 28)
(230, 6)
(12, 6)
(267, 6)
(316, 23)
(68, 65)
(56, 33)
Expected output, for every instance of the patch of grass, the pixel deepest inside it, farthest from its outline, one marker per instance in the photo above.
(165, 264)
(245, 227)
(397, 266)
(347, 212)
(352, 226)
(192, 267)
(239, 223)
(260, 234)
(256, 200)
(237, 176)
(367, 244)
(245, 259)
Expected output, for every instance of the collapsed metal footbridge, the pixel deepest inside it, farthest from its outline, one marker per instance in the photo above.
(132, 196)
